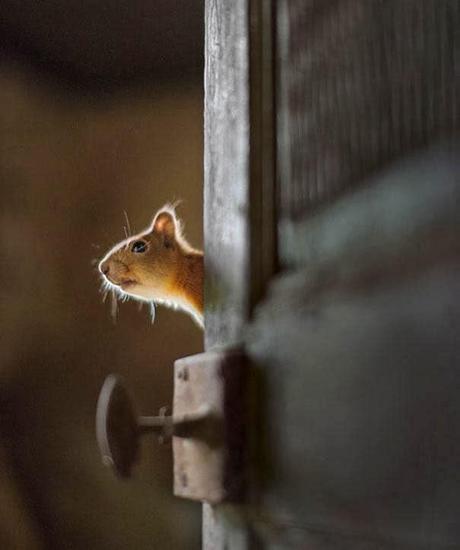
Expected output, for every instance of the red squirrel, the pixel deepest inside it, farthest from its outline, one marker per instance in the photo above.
(158, 266)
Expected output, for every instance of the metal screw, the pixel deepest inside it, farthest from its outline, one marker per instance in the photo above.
(183, 374)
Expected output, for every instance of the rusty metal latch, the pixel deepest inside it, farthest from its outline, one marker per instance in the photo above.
(206, 427)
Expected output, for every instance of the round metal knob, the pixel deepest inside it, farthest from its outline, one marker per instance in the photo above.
(118, 428)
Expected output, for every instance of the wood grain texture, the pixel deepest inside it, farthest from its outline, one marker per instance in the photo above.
(360, 83)
(226, 160)
(226, 211)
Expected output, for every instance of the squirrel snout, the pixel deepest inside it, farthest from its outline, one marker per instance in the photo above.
(113, 270)
(104, 267)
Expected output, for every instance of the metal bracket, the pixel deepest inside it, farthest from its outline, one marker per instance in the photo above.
(210, 466)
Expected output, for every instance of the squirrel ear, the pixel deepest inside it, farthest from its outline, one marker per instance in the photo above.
(165, 225)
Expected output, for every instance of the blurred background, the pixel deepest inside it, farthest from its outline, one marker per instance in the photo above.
(100, 113)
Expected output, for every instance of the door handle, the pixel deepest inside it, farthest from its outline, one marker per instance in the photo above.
(206, 426)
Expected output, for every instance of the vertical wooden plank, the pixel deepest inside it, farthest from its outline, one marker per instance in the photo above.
(226, 158)
(240, 229)
(226, 210)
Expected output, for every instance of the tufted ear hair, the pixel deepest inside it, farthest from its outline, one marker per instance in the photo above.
(165, 225)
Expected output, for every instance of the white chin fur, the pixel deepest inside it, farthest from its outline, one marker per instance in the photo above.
(136, 294)
(151, 297)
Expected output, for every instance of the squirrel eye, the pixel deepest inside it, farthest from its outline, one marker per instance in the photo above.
(138, 247)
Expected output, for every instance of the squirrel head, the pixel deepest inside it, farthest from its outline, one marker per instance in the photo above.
(148, 266)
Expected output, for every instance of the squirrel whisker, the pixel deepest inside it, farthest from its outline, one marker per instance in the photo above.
(114, 305)
(128, 225)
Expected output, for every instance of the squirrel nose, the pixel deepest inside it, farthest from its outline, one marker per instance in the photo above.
(104, 267)
(113, 270)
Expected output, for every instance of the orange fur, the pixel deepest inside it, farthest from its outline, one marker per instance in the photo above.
(168, 271)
